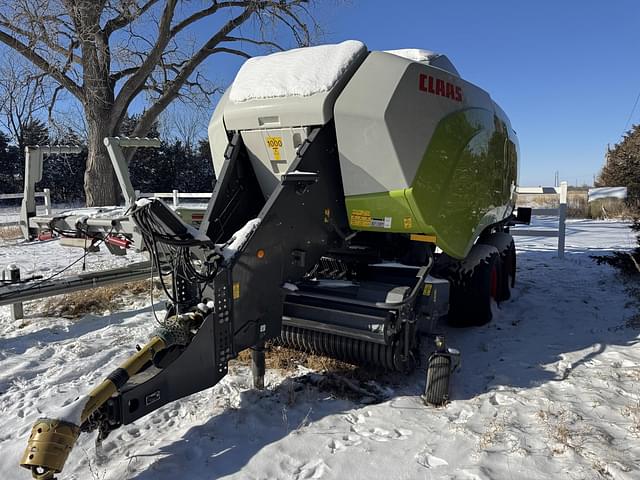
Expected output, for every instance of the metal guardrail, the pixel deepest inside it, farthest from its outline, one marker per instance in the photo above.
(15, 293)
(560, 212)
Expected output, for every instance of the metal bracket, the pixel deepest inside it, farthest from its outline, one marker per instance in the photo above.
(114, 147)
(33, 158)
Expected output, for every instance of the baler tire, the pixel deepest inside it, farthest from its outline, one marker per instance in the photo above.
(473, 285)
(438, 374)
(507, 249)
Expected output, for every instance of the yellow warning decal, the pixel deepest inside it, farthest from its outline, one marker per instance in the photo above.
(423, 238)
(275, 144)
(408, 223)
(236, 290)
(427, 289)
(360, 218)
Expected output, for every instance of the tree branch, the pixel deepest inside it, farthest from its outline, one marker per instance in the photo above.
(173, 88)
(4, 21)
(232, 51)
(254, 42)
(42, 64)
(52, 103)
(125, 18)
(135, 82)
(207, 12)
(125, 72)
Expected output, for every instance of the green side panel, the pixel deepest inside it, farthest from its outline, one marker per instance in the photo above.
(464, 184)
(367, 211)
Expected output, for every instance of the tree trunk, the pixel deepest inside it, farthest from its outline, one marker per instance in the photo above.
(100, 183)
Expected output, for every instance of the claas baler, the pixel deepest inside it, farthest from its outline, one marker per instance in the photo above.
(361, 196)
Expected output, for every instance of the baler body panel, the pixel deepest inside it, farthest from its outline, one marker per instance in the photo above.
(421, 150)
(419, 160)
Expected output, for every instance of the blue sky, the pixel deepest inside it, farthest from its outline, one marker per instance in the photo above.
(566, 72)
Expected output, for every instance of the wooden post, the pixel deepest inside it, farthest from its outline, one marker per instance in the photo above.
(562, 214)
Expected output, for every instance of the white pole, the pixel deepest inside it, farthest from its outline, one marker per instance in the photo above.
(47, 201)
(176, 201)
(562, 214)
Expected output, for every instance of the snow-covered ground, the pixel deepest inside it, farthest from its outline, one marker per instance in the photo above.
(549, 389)
(11, 215)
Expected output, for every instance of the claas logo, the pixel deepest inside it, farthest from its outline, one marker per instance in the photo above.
(437, 86)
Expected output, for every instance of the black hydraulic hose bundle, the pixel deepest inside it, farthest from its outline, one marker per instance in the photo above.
(170, 251)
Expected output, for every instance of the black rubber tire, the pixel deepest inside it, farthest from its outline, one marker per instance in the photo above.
(474, 282)
(438, 374)
(507, 249)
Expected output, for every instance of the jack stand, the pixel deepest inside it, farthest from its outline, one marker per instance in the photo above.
(258, 366)
(440, 365)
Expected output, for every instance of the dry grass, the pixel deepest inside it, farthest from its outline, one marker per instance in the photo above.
(632, 412)
(492, 433)
(610, 208)
(338, 379)
(10, 232)
(577, 205)
(288, 360)
(96, 301)
(565, 430)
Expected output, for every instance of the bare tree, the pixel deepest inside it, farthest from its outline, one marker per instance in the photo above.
(106, 53)
(24, 95)
(187, 125)
(66, 119)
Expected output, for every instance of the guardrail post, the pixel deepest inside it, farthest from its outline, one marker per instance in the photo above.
(47, 201)
(17, 312)
(176, 198)
(562, 214)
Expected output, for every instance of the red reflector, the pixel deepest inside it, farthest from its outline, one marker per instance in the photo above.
(118, 242)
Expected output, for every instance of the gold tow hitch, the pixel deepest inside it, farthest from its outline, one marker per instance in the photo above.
(49, 446)
(52, 439)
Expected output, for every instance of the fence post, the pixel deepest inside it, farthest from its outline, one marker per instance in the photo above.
(17, 312)
(175, 199)
(47, 201)
(562, 214)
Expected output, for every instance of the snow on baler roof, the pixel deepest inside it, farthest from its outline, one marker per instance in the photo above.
(427, 57)
(306, 71)
(299, 72)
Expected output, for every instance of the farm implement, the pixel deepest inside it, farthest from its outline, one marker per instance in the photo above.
(361, 197)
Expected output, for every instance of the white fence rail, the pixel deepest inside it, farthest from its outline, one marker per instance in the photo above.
(46, 194)
(175, 195)
(560, 212)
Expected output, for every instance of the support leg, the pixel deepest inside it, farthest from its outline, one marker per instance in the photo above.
(258, 366)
